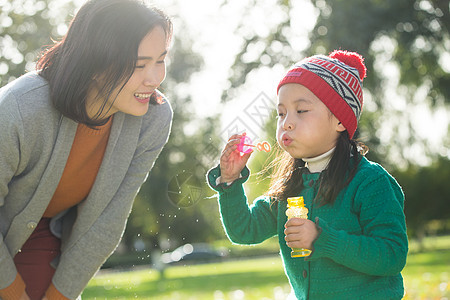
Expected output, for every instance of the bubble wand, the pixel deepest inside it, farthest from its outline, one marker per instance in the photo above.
(246, 145)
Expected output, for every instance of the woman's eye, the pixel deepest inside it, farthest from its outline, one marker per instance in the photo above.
(280, 115)
(301, 111)
(139, 67)
(161, 61)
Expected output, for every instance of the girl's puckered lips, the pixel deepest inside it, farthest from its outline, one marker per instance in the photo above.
(286, 139)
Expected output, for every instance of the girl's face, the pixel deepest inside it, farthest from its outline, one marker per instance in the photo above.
(306, 128)
(149, 73)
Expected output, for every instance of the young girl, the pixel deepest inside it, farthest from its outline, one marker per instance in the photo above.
(356, 225)
(78, 138)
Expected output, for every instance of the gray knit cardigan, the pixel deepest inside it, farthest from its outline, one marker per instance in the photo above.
(35, 141)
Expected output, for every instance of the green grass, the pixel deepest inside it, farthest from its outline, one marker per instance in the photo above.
(254, 278)
(427, 273)
(426, 276)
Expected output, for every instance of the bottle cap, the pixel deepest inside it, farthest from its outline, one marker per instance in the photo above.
(296, 201)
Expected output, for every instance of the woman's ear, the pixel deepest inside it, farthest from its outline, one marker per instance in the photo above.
(340, 127)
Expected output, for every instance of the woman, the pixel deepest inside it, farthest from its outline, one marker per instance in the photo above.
(78, 138)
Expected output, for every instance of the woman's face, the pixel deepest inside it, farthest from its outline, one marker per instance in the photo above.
(149, 73)
(306, 128)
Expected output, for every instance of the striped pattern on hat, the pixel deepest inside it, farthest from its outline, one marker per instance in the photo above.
(336, 83)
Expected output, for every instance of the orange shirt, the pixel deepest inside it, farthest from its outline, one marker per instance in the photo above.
(81, 169)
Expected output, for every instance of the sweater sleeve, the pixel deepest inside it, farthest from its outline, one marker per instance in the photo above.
(53, 294)
(382, 247)
(92, 249)
(11, 133)
(14, 290)
(243, 223)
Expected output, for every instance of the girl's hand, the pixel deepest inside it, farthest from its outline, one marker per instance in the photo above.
(300, 233)
(231, 161)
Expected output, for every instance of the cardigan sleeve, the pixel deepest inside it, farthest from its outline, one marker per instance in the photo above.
(382, 247)
(243, 223)
(92, 249)
(11, 133)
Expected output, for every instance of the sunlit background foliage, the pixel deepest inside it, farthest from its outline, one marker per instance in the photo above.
(406, 45)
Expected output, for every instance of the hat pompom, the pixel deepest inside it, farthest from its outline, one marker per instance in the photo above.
(351, 59)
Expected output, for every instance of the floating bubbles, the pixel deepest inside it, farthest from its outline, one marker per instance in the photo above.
(246, 145)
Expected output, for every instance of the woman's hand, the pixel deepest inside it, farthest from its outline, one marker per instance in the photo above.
(300, 233)
(232, 161)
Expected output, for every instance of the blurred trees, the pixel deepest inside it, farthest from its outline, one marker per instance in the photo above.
(26, 26)
(405, 38)
(427, 191)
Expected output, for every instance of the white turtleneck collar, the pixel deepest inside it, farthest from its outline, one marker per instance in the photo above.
(319, 163)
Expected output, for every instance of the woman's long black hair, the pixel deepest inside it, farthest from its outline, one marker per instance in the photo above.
(102, 40)
(287, 180)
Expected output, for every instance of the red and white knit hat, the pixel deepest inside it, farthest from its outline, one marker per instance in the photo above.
(336, 80)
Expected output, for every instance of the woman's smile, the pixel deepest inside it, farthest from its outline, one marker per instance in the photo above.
(143, 97)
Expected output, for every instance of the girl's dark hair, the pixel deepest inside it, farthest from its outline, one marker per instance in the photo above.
(103, 39)
(287, 180)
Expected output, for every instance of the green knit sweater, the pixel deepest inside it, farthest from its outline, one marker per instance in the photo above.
(362, 245)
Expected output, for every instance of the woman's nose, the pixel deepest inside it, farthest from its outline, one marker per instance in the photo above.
(150, 79)
(153, 78)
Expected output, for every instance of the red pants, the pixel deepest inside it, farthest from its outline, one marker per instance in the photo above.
(33, 262)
